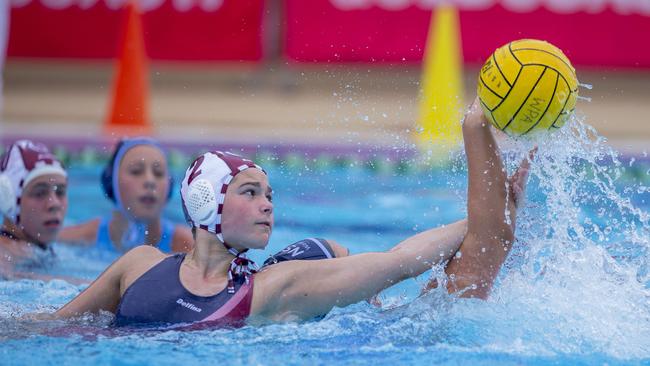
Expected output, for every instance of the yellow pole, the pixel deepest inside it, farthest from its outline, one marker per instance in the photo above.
(441, 102)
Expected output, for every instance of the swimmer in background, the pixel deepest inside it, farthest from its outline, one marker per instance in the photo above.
(33, 203)
(137, 180)
(216, 285)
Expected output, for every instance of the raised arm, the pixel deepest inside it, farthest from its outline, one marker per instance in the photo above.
(491, 210)
(304, 289)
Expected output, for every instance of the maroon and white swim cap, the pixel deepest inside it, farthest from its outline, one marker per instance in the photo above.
(23, 162)
(203, 190)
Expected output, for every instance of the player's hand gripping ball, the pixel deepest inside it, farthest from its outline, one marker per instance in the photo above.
(527, 86)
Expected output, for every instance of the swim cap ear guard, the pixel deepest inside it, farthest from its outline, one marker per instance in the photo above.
(23, 162)
(201, 202)
(109, 174)
(204, 187)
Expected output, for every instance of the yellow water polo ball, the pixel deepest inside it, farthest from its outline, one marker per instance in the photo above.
(527, 86)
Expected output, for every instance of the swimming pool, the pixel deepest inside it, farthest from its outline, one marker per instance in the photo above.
(576, 289)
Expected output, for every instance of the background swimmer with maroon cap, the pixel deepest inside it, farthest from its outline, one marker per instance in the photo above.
(228, 202)
(33, 203)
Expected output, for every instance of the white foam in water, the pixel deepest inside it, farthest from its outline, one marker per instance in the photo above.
(573, 285)
(562, 290)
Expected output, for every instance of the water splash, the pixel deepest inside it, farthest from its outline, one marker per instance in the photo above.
(579, 270)
(577, 281)
(586, 86)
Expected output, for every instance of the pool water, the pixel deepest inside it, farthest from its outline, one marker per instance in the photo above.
(576, 289)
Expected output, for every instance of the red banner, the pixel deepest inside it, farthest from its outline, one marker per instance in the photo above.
(599, 33)
(203, 30)
(590, 33)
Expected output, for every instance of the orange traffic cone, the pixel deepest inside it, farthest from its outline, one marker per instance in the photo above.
(129, 109)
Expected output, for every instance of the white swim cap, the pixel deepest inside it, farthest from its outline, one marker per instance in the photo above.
(204, 186)
(23, 162)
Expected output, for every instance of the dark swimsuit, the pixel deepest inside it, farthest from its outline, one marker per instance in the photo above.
(158, 297)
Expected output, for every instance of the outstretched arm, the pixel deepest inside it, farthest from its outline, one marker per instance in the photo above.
(304, 289)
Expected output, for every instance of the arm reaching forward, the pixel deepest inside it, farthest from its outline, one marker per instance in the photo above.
(304, 289)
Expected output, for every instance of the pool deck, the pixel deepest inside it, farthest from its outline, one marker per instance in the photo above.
(303, 105)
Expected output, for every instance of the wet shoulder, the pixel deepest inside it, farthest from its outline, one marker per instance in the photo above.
(137, 261)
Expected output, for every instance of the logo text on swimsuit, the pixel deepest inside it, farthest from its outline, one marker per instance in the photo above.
(188, 305)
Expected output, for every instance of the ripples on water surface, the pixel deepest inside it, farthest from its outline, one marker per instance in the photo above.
(575, 290)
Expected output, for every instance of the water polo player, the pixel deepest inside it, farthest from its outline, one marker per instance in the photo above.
(33, 202)
(137, 180)
(228, 202)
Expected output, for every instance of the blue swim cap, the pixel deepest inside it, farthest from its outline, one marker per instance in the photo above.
(109, 178)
